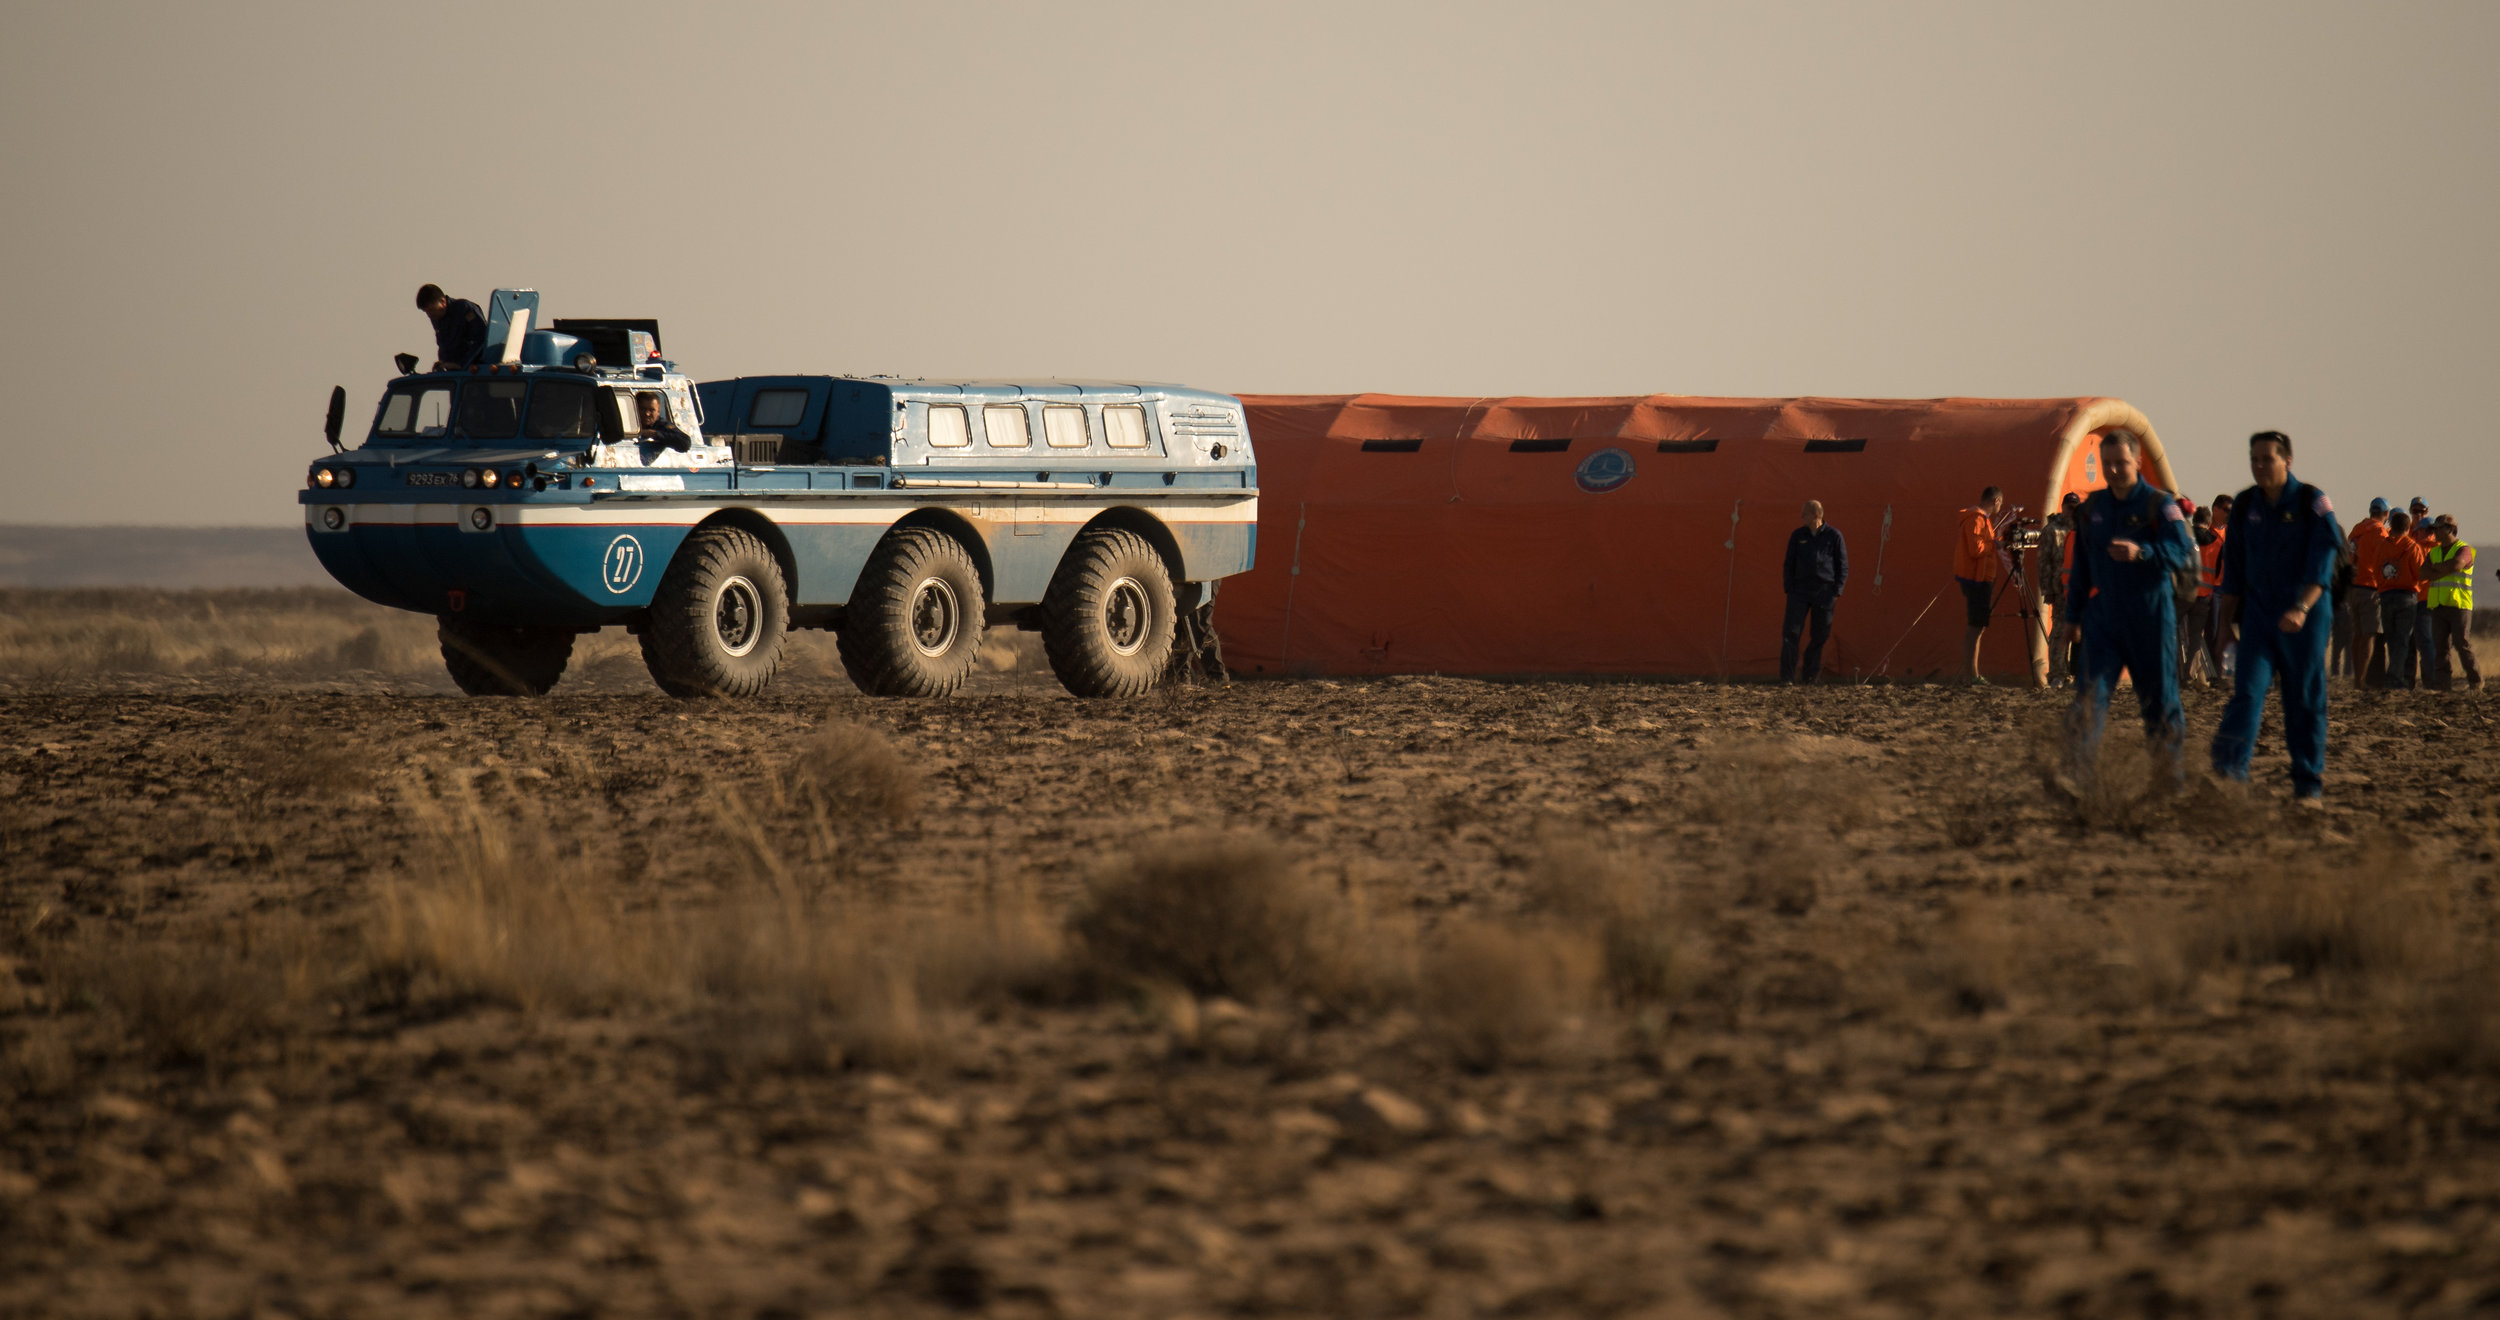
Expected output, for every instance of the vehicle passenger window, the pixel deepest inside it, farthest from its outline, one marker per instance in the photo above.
(491, 410)
(947, 427)
(434, 412)
(1006, 427)
(628, 413)
(1124, 425)
(561, 410)
(777, 408)
(406, 412)
(1063, 425)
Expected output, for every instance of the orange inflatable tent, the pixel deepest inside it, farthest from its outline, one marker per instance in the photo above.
(1635, 535)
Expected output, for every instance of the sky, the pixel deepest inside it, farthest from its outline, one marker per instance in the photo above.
(2237, 217)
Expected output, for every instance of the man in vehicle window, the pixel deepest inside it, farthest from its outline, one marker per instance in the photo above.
(1816, 568)
(459, 327)
(656, 428)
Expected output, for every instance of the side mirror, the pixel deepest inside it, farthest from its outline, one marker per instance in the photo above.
(406, 362)
(338, 415)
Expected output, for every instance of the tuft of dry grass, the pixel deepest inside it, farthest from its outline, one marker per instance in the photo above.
(2344, 920)
(1623, 909)
(852, 770)
(200, 1002)
(502, 918)
(1754, 783)
(1492, 994)
(1218, 915)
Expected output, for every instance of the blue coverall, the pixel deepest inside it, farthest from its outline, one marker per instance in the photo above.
(2130, 616)
(2274, 552)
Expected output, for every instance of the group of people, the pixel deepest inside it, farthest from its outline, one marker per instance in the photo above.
(2254, 589)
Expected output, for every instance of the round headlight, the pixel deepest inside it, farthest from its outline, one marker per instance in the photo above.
(482, 518)
(321, 477)
(334, 517)
(513, 478)
(468, 477)
(488, 478)
(347, 477)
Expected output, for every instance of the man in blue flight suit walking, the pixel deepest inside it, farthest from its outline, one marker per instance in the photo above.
(2131, 542)
(2279, 559)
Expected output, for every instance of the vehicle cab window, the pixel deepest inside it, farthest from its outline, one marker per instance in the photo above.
(562, 410)
(420, 411)
(1124, 426)
(491, 409)
(777, 409)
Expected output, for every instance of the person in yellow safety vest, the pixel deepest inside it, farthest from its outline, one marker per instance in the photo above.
(2448, 579)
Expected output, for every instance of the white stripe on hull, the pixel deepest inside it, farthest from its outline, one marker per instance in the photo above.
(845, 513)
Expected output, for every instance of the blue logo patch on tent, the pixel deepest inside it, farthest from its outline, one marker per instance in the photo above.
(1603, 471)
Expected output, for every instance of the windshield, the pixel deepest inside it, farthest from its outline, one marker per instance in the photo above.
(563, 410)
(491, 409)
(415, 410)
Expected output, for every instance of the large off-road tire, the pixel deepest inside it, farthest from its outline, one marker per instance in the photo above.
(718, 618)
(492, 660)
(913, 625)
(1107, 619)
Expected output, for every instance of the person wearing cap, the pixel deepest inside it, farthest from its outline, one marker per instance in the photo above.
(2399, 585)
(2448, 578)
(2277, 563)
(2369, 646)
(2415, 675)
(2132, 544)
(459, 327)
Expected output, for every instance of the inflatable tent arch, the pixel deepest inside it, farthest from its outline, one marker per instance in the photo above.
(1638, 535)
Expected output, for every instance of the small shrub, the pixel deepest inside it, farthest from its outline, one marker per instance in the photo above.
(855, 771)
(1623, 910)
(2335, 919)
(1491, 995)
(1216, 916)
(199, 1001)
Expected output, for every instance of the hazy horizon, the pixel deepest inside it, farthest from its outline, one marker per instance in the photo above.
(2235, 217)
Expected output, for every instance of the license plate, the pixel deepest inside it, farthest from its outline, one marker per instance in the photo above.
(432, 479)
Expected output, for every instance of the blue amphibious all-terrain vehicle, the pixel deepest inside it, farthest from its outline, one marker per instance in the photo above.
(576, 480)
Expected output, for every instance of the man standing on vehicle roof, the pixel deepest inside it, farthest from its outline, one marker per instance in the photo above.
(1816, 568)
(2279, 558)
(459, 327)
(2132, 544)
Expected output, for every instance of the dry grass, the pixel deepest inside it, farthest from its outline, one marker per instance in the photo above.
(853, 770)
(60, 636)
(201, 1002)
(1492, 994)
(1219, 915)
(1623, 909)
(2364, 918)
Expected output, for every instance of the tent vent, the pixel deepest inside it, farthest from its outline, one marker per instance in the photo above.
(1688, 446)
(1834, 446)
(1392, 446)
(1539, 446)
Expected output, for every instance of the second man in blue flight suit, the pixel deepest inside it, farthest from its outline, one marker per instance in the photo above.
(2279, 559)
(2129, 542)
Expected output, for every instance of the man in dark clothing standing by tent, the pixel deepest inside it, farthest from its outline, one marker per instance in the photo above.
(459, 327)
(1816, 569)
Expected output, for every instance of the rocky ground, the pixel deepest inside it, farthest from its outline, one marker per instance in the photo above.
(341, 994)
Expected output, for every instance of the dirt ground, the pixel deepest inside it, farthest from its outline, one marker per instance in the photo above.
(327, 991)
